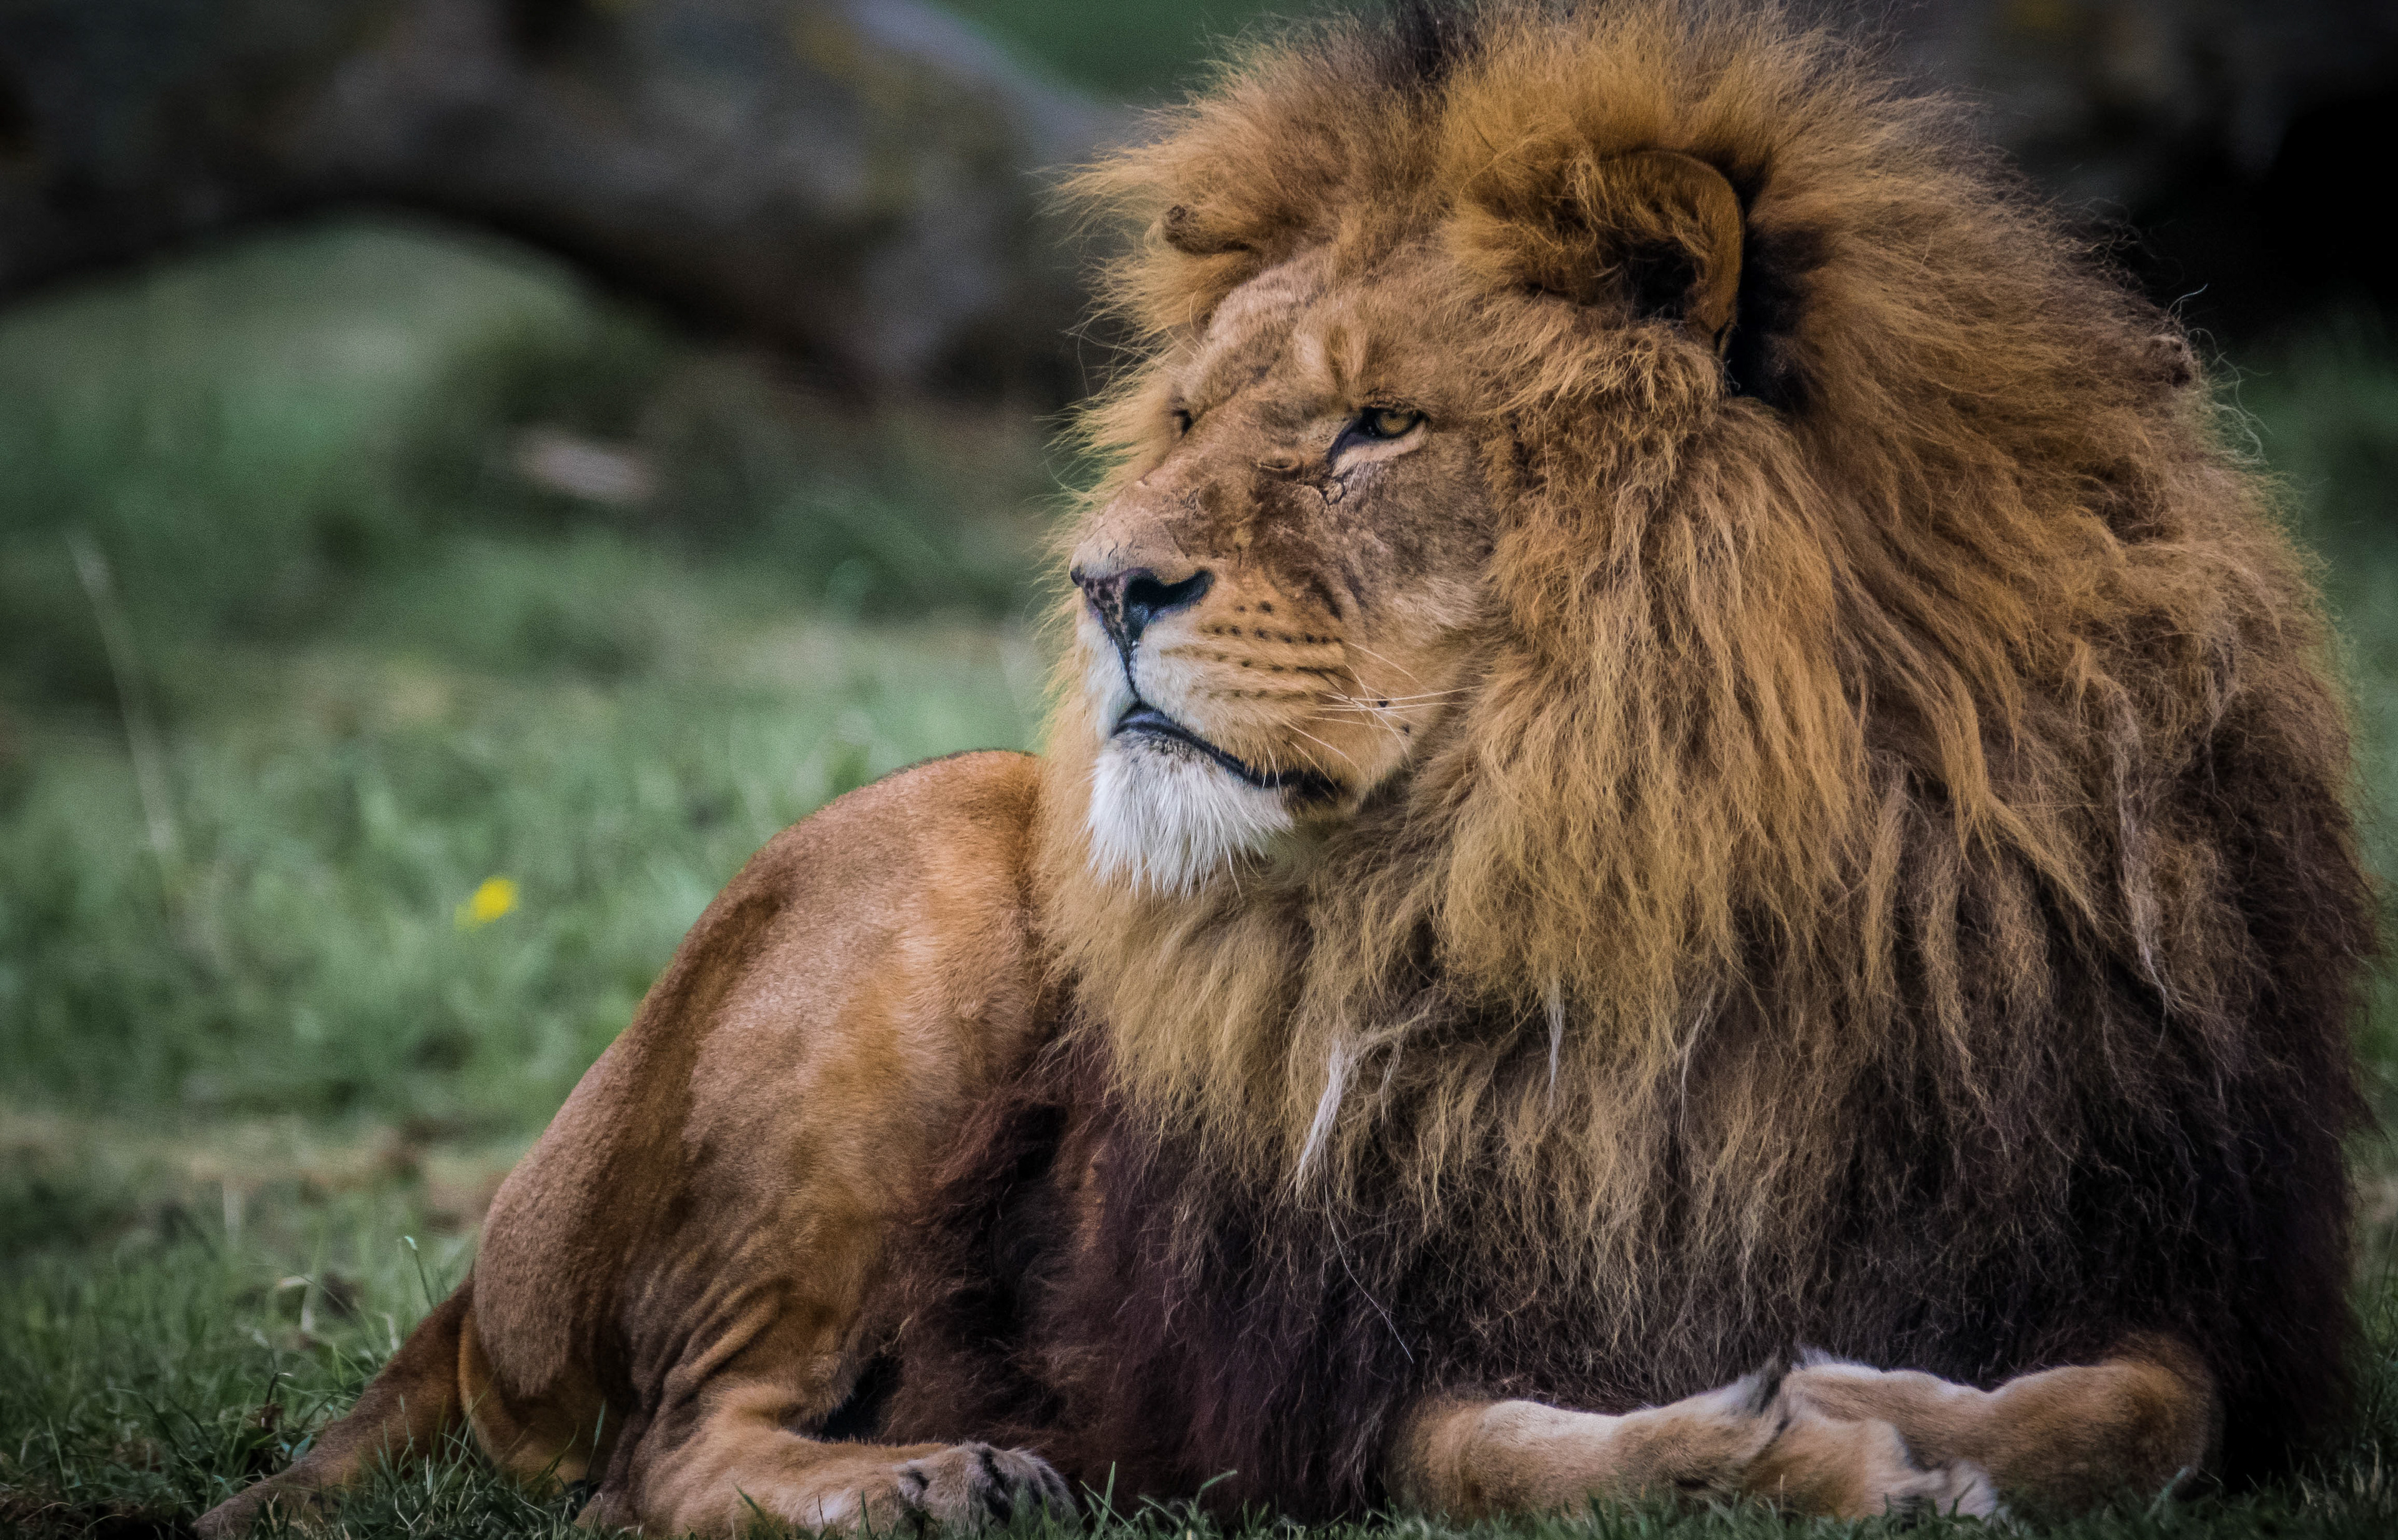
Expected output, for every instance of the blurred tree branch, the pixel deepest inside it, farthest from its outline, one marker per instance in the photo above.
(850, 180)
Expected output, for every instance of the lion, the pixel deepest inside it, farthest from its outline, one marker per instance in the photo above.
(1693, 847)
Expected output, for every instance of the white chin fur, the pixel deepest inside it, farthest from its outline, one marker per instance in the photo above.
(1165, 819)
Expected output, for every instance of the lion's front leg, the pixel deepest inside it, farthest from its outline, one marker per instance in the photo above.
(1477, 1459)
(738, 1466)
(2061, 1439)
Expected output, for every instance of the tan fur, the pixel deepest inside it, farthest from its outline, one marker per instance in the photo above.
(1483, 1460)
(2148, 1410)
(1597, 680)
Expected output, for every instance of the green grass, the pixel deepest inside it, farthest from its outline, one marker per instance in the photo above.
(373, 687)
(263, 1073)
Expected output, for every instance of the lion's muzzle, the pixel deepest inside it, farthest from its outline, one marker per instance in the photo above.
(1128, 601)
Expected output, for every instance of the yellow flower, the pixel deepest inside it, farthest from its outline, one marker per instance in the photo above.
(495, 898)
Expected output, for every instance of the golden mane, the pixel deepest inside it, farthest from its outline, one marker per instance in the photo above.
(1874, 704)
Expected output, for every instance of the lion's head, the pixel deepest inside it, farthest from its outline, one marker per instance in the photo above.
(1285, 591)
(1644, 587)
(1301, 570)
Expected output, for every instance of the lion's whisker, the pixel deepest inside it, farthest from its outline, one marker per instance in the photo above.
(1381, 660)
(1392, 703)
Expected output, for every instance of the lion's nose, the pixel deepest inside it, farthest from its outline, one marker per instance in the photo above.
(1126, 602)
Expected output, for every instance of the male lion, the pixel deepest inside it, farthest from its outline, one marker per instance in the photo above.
(1686, 751)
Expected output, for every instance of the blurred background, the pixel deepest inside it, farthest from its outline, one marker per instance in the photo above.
(471, 470)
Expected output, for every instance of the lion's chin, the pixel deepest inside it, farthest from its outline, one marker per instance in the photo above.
(1163, 817)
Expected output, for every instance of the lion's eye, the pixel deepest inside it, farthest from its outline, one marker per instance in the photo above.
(1181, 422)
(1376, 424)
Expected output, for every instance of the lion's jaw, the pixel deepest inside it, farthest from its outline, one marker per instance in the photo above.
(1275, 607)
(1162, 813)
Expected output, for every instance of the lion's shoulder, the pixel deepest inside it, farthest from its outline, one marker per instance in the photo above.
(841, 1003)
(959, 816)
(914, 891)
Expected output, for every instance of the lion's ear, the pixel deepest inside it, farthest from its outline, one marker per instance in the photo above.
(1656, 230)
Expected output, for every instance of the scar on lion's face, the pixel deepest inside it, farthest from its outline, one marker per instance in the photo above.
(1277, 603)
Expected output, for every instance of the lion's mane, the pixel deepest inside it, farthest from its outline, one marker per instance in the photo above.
(1888, 888)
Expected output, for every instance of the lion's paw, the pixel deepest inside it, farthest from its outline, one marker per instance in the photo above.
(1961, 1490)
(1859, 1470)
(968, 1486)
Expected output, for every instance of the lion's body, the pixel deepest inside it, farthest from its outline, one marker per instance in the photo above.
(1685, 838)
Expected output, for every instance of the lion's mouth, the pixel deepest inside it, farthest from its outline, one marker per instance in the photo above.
(1305, 786)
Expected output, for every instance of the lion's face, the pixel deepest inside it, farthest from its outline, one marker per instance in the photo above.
(1278, 603)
